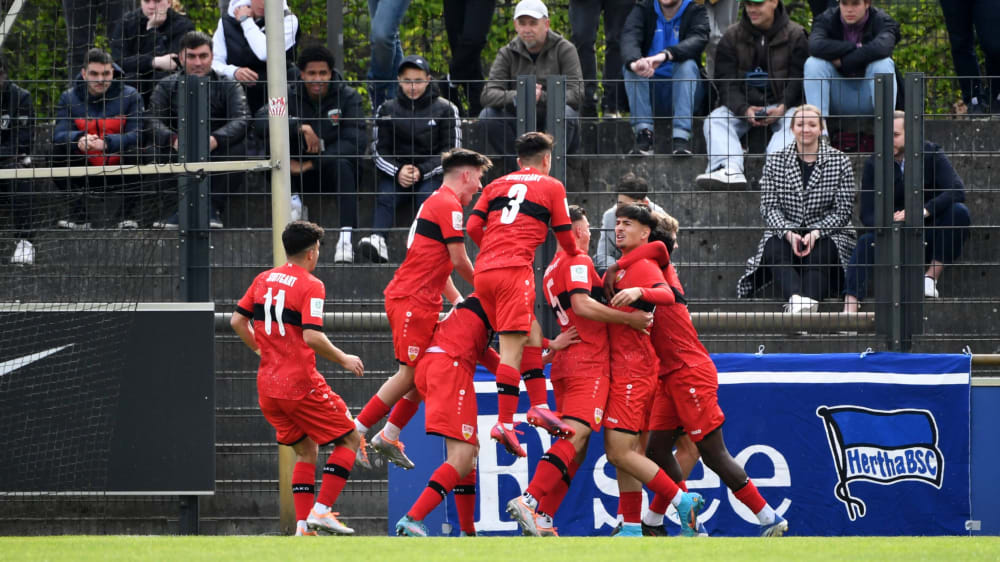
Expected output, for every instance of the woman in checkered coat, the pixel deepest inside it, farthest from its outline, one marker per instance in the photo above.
(807, 199)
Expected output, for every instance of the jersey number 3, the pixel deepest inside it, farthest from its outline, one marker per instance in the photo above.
(516, 196)
(279, 307)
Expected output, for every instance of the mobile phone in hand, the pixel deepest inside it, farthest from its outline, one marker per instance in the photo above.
(761, 114)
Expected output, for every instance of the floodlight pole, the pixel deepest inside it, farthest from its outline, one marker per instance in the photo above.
(277, 95)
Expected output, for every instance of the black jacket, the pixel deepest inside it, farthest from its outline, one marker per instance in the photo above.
(942, 185)
(637, 34)
(878, 39)
(781, 51)
(336, 118)
(17, 123)
(134, 47)
(415, 132)
(227, 110)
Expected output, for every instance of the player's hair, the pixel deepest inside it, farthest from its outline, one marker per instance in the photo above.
(315, 53)
(633, 186)
(532, 145)
(458, 157)
(195, 39)
(97, 56)
(576, 213)
(638, 213)
(665, 230)
(300, 236)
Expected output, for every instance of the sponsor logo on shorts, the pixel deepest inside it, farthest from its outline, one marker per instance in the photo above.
(696, 432)
(598, 414)
(612, 420)
(467, 431)
(412, 352)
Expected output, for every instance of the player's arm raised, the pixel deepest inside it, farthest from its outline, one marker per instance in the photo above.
(243, 326)
(588, 308)
(460, 260)
(319, 343)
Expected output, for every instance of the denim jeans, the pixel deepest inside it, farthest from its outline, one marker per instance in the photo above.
(390, 194)
(387, 51)
(826, 88)
(677, 97)
(723, 130)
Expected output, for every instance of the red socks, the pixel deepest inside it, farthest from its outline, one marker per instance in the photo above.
(335, 474)
(441, 483)
(403, 412)
(630, 505)
(303, 489)
(534, 377)
(465, 502)
(549, 504)
(508, 391)
(661, 484)
(373, 411)
(551, 469)
(750, 497)
(659, 503)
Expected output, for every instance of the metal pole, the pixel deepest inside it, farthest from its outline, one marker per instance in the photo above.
(527, 119)
(335, 31)
(913, 233)
(9, 19)
(885, 272)
(277, 94)
(194, 203)
(555, 123)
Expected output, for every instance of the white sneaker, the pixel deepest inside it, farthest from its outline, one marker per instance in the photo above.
(721, 179)
(344, 252)
(70, 225)
(373, 247)
(799, 304)
(128, 224)
(24, 253)
(296, 207)
(930, 288)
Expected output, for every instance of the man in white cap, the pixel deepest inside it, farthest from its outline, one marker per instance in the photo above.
(535, 50)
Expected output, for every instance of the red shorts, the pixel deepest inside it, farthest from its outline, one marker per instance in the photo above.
(321, 415)
(688, 398)
(581, 386)
(508, 298)
(631, 396)
(449, 397)
(412, 327)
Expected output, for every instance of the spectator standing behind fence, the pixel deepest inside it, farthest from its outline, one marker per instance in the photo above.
(411, 132)
(146, 42)
(81, 25)
(468, 25)
(758, 69)
(806, 200)
(538, 51)
(240, 47)
(946, 218)
(97, 124)
(17, 126)
(228, 118)
(328, 139)
(631, 189)
(584, 15)
(961, 17)
(721, 14)
(387, 50)
(662, 45)
(848, 46)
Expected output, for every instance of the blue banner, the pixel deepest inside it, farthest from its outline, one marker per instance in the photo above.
(838, 444)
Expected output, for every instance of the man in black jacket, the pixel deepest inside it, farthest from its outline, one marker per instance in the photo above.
(17, 118)
(146, 43)
(228, 119)
(411, 132)
(946, 218)
(849, 42)
(662, 44)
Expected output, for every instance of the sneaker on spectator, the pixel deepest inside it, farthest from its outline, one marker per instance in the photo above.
(721, 178)
(24, 253)
(344, 252)
(930, 288)
(296, 207)
(682, 147)
(169, 223)
(644, 143)
(373, 248)
(977, 109)
(798, 304)
(215, 221)
(72, 225)
(128, 224)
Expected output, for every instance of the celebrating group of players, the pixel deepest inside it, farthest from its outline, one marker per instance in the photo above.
(634, 365)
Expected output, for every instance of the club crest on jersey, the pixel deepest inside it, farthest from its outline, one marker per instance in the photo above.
(467, 431)
(598, 415)
(412, 352)
(620, 275)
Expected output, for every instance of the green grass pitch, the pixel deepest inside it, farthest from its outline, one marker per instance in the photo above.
(363, 549)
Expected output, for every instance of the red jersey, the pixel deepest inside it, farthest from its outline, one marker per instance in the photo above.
(673, 334)
(628, 345)
(566, 276)
(465, 334)
(424, 272)
(518, 209)
(282, 302)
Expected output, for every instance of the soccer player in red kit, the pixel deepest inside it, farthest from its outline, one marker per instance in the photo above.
(687, 395)
(634, 370)
(281, 319)
(435, 246)
(516, 211)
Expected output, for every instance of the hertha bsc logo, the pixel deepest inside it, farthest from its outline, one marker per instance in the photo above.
(598, 414)
(412, 352)
(621, 275)
(467, 431)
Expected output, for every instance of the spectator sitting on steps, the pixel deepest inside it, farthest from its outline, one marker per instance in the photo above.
(631, 189)
(17, 126)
